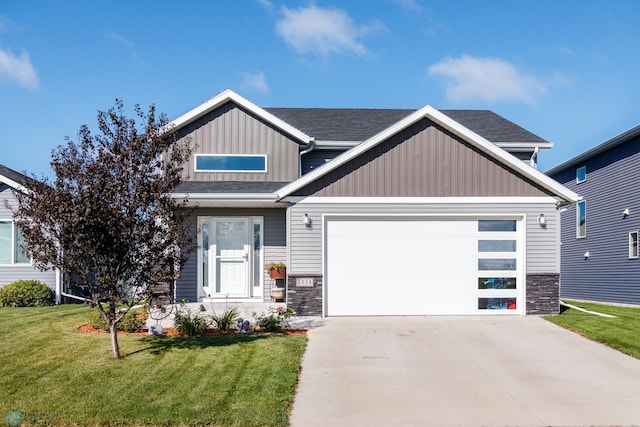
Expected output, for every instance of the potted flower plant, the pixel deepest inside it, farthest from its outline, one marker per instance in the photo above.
(277, 270)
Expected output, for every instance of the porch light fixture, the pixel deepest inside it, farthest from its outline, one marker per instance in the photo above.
(306, 220)
(542, 220)
(626, 213)
(587, 255)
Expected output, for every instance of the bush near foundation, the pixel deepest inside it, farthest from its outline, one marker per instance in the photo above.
(25, 293)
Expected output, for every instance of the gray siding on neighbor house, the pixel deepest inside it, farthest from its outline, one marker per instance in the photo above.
(422, 161)
(306, 243)
(608, 275)
(274, 240)
(232, 130)
(11, 273)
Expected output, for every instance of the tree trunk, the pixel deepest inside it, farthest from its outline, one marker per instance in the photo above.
(115, 348)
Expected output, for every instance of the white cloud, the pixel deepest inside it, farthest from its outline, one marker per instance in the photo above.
(314, 29)
(266, 4)
(409, 5)
(18, 69)
(125, 42)
(254, 83)
(470, 78)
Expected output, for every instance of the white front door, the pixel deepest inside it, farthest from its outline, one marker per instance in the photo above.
(227, 256)
(231, 267)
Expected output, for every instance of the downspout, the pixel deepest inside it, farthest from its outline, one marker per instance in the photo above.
(533, 161)
(311, 147)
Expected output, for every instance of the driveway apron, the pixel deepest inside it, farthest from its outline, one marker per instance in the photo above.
(462, 371)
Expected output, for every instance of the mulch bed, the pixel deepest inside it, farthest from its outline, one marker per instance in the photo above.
(88, 328)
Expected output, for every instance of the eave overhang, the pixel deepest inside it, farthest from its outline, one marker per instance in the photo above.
(230, 96)
(428, 112)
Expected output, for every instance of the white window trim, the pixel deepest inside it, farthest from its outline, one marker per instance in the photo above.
(578, 180)
(195, 163)
(584, 203)
(631, 254)
(13, 262)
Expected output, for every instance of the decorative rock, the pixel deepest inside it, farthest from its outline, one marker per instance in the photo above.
(156, 329)
(246, 327)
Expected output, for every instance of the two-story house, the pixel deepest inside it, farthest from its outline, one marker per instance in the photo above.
(599, 253)
(375, 212)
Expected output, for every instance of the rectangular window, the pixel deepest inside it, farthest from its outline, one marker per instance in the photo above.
(581, 174)
(496, 245)
(231, 163)
(497, 225)
(11, 242)
(496, 282)
(633, 244)
(485, 264)
(496, 303)
(581, 219)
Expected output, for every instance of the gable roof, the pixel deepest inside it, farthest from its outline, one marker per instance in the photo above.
(356, 125)
(607, 145)
(230, 96)
(12, 178)
(451, 125)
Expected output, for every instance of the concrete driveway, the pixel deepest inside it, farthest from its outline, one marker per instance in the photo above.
(462, 371)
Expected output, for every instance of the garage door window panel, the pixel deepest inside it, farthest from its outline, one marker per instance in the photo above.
(497, 304)
(496, 245)
(508, 264)
(497, 283)
(506, 225)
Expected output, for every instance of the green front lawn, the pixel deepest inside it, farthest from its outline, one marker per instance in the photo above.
(621, 333)
(51, 374)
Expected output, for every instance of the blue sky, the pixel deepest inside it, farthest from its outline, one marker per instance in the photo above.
(569, 71)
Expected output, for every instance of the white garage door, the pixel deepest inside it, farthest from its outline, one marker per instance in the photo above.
(418, 266)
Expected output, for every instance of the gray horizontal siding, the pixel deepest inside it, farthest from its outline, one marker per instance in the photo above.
(422, 161)
(608, 275)
(317, 158)
(11, 273)
(305, 244)
(274, 240)
(232, 130)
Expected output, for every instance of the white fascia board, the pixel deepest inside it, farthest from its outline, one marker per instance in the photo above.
(524, 146)
(271, 197)
(11, 183)
(229, 95)
(328, 145)
(454, 127)
(509, 200)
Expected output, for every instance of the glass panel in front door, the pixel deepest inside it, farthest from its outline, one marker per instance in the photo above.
(232, 258)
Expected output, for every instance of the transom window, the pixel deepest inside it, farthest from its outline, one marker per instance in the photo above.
(581, 219)
(581, 174)
(11, 242)
(231, 163)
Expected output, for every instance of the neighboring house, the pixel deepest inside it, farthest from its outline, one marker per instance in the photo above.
(15, 264)
(376, 212)
(599, 252)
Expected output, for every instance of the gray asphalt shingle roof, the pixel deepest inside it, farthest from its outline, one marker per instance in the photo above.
(353, 124)
(246, 187)
(12, 175)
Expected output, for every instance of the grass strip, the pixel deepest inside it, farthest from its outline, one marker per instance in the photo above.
(621, 332)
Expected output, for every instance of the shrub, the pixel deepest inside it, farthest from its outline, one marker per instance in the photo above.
(133, 321)
(189, 323)
(275, 321)
(225, 320)
(26, 293)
